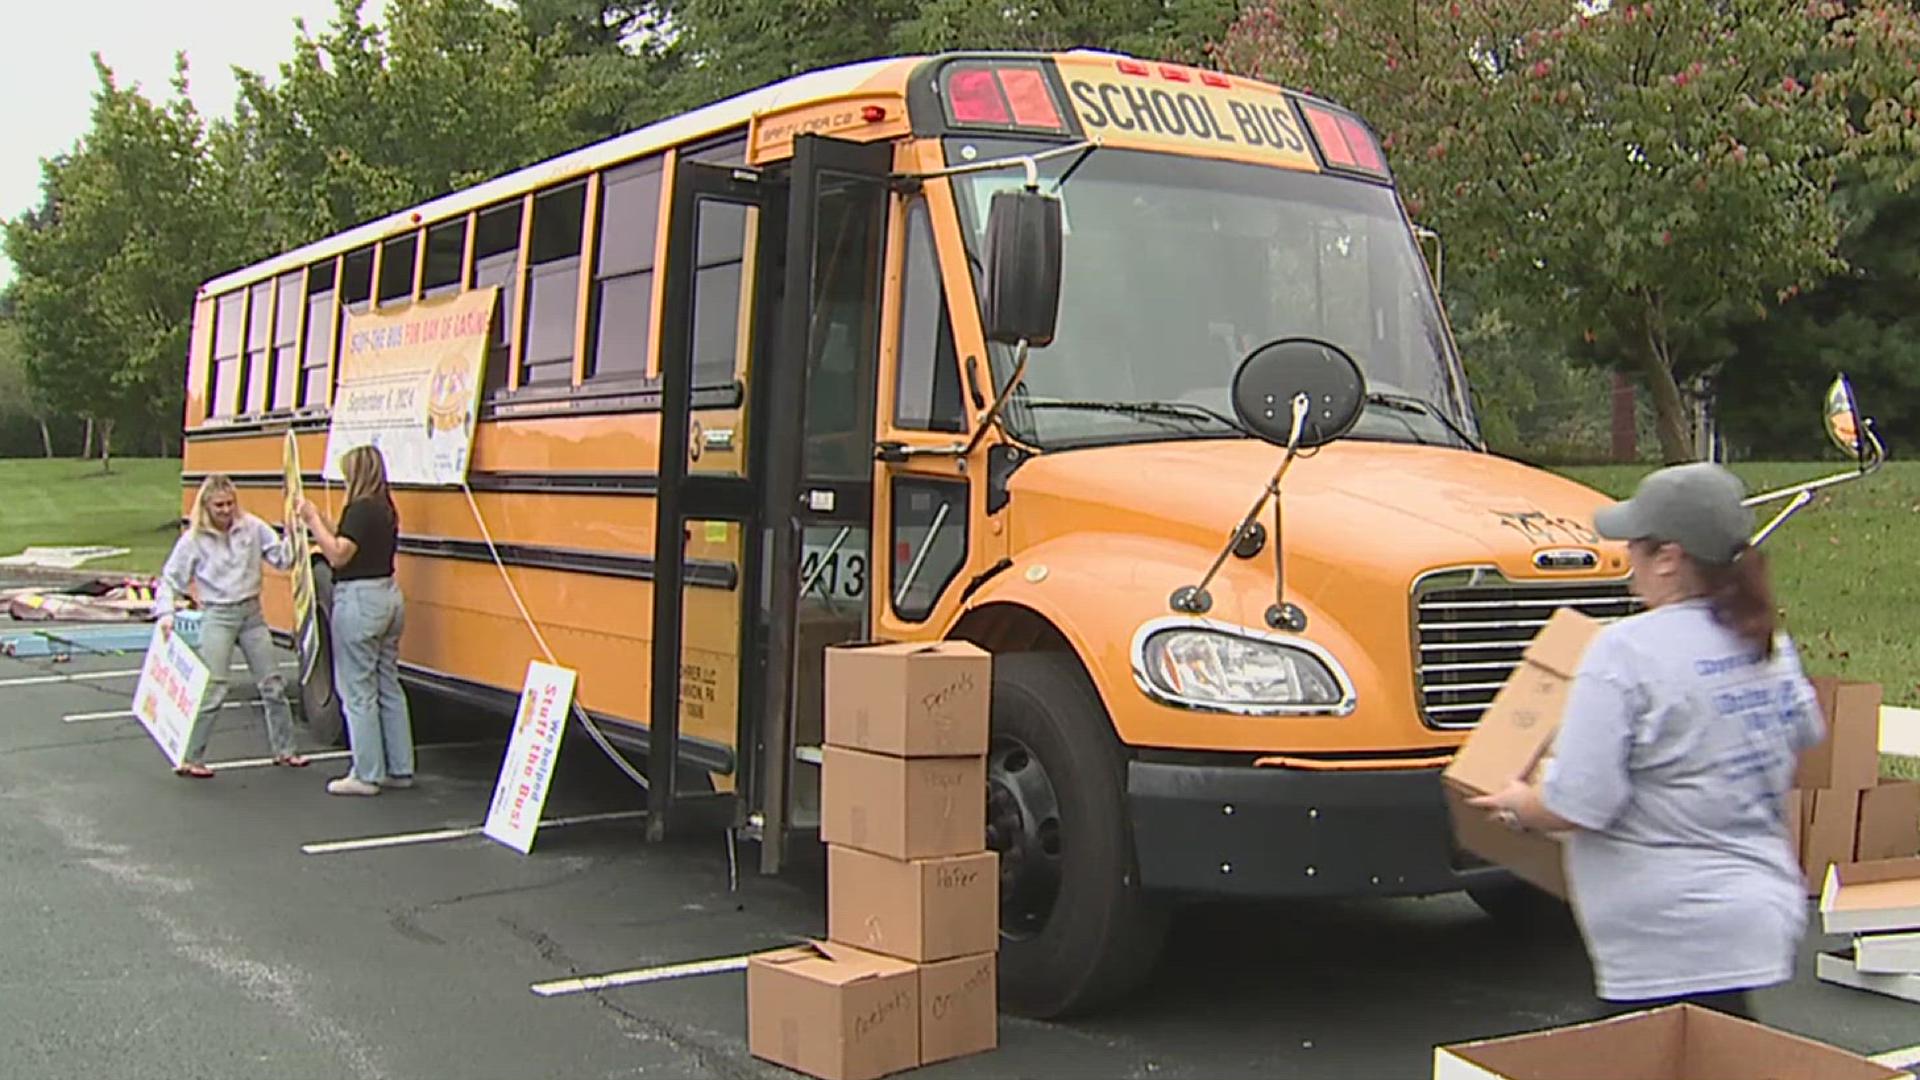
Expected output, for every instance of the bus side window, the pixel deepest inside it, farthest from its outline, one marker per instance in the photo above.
(320, 336)
(929, 542)
(496, 247)
(623, 271)
(553, 289)
(223, 393)
(445, 242)
(259, 323)
(927, 377)
(286, 336)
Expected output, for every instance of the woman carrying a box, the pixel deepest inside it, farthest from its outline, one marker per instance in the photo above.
(1673, 761)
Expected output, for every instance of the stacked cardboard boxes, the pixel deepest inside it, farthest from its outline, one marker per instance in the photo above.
(908, 974)
(1842, 809)
(1878, 904)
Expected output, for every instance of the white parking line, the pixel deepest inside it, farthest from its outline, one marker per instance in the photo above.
(336, 755)
(434, 836)
(640, 975)
(127, 714)
(92, 676)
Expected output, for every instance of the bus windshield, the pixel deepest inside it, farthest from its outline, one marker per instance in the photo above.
(1176, 268)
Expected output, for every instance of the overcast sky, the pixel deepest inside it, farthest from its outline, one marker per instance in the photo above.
(47, 80)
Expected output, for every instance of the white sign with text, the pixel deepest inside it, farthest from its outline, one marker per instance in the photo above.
(173, 682)
(521, 791)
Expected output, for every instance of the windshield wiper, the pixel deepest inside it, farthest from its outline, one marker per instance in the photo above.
(1171, 410)
(1409, 403)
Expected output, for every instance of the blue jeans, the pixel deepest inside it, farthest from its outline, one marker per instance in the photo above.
(368, 617)
(222, 626)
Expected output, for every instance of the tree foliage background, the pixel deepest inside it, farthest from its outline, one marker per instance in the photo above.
(1681, 191)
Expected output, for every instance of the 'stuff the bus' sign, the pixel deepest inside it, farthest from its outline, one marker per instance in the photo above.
(1242, 122)
(172, 683)
(520, 793)
(410, 381)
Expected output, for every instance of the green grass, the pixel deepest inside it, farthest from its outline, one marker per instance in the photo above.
(63, 503)
(1843, 568)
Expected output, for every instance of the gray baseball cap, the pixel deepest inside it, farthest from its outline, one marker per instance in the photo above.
(1696, 506)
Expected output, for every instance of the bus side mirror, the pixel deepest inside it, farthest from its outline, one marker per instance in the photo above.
(1022, 288)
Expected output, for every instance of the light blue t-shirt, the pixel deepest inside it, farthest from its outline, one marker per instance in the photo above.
(1677, 750)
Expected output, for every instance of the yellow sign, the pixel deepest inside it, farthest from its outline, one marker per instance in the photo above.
(1242, 121)
(410, 381)
(306, 629)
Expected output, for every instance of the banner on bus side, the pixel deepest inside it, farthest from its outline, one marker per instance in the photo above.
(410, 382)
(521, 791)
(173, 682)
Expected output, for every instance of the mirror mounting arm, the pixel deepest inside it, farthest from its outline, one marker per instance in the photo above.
(1194, 599)
(991, 418)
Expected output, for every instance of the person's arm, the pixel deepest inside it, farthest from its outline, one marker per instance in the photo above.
(275, 550)
(338, 550)
(1587, 784)
(1802, 707)
(175, 578)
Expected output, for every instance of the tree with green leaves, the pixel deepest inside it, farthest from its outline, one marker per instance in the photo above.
(1627, 179)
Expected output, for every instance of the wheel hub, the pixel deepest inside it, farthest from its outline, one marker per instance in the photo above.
(1023, 825)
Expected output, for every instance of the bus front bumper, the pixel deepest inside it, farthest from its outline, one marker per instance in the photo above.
(1245, 831)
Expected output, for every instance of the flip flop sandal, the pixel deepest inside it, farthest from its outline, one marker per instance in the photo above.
(196, 772)
(292, 761)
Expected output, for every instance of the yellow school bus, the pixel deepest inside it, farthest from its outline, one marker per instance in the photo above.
(1008, 348)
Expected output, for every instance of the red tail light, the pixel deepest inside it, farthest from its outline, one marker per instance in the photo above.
(1344, 140)
(1002, 96)
(974, 97)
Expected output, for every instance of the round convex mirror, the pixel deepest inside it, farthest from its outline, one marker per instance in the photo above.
(1273, 374)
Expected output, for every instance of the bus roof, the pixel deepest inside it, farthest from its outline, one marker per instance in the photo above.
(685, 127)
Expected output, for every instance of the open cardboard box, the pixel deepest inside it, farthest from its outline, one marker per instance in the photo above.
(1680, 1042)
(1871, 897)
(833, 1011)
(1510, 743)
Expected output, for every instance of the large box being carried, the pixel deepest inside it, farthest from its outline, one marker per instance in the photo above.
(1680, 1042)
(1511, 743)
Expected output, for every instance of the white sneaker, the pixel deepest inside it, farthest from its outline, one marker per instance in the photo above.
(398, 783)
(350, 785)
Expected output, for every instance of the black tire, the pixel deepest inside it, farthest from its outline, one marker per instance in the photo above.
(1076, 930)
(1519, 906)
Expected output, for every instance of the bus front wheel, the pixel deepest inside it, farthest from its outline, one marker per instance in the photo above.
(1076, 931)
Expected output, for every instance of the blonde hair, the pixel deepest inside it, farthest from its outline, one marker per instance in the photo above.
(215, 484)
(366, 473)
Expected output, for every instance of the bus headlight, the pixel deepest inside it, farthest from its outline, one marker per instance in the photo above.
(1228, 669)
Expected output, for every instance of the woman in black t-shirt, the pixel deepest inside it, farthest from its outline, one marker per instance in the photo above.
(368, 617)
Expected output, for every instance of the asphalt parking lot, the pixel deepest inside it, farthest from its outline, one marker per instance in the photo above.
(159, 927)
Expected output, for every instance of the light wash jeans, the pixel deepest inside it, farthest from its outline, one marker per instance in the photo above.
(221, 627)
(368, 617)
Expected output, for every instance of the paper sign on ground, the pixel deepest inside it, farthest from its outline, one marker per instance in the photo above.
(521, 791)
(410, 382)
(172, 683)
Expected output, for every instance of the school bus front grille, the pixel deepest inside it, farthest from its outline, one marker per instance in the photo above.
(1471, 627)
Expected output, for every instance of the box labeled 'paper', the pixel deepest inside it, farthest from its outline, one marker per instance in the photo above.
(920, 909)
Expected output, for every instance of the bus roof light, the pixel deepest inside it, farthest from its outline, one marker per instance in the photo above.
(1032, 101)
(1366, 155)
(1215, 79)
(1168, 71)
(873, 114)
(1132, 67)
(975, 98)
(1344, 140)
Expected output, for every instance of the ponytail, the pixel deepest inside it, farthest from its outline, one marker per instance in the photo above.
(1742, 598)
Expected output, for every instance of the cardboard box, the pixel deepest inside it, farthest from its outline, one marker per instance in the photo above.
(1889, 825)
(834, 1011)
(1867, 898)
(1849, 757)
(921, 910)
(1680, 1042)
(1513, 737)
(1887, 954)
(903, 808)
(1831, 830)
(959, 1007)
(916, 699)
(1839, 968)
